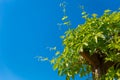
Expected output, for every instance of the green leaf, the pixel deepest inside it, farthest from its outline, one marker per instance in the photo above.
(59, 72)
(69, 74)
(66, 64)
(81, 49)
(108, 59)
(94, 15)
(45, 59)
(52, 61)
(101, 36)
(107, 11)
(57, 53)
(54, 48)
(62, 37)
(96, 39)
(67, 23)
(83, 13)
(55, 66)
(86, 44)
(67, 78)
(118, 73)
(64, 17)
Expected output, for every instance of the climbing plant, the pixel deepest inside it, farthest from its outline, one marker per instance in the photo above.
(91, 48)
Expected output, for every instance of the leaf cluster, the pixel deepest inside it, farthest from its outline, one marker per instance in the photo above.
(99, 35)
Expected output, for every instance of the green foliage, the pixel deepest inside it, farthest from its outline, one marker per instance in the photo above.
(97, 33)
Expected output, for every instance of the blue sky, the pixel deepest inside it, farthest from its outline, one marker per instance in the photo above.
(29, 27)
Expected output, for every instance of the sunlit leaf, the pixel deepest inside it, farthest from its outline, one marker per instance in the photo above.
(107, 11)
(96, 40)
(55, 66)
(45, 59)
(94, 15)
(67, 23)
(64, 17)
(83, 13)
(57, 53)
(52, 61)
(62, 37)
(86, 44)
(81, 49)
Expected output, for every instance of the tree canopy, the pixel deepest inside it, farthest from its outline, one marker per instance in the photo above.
(90, 46)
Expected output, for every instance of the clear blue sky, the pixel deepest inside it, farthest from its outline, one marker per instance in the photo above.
(28, 27)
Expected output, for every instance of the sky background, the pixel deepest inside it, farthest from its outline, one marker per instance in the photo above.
(28, 28)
